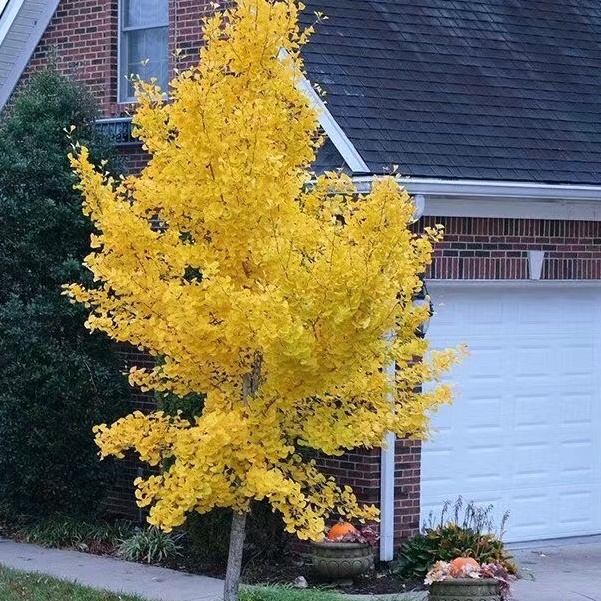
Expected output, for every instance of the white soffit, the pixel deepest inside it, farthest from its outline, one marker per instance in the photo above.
(522, 200)
(22, 24)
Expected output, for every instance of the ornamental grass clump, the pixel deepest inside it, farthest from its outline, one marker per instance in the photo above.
(150, 545)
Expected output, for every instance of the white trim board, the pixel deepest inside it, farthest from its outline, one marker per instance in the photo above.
(344, 146)
(8, 16)
(14, 17)
(340, 140)
(433, 283)
(522, 200)
(513, 208)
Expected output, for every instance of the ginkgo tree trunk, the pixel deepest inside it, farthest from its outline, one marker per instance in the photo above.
(270, 291)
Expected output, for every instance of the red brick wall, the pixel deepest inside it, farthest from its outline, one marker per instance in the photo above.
(134, 158)
(81, 41)
(407, 489)
(494, 248)
(359, 469)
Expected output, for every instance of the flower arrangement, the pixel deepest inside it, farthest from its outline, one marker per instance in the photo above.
(468, 567)
(345, 532)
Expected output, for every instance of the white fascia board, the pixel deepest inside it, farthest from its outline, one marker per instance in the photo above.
(522, 200)
(435, 285)
(36, 32)
(12, 9)
(344, 146)
(340, 140)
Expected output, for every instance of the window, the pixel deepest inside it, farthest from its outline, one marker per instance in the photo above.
(143, 43)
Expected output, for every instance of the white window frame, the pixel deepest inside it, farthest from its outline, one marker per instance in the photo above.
(122, 53)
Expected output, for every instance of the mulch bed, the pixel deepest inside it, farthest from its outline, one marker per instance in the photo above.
(288, 567)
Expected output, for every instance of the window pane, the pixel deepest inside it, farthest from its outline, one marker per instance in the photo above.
(145, 13)
(147, 56)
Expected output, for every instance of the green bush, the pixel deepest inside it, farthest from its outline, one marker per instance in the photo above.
(56, 380)
(466, 531)
(150, 545)
(207, 536)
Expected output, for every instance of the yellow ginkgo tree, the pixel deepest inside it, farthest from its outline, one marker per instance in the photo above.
(280, 296)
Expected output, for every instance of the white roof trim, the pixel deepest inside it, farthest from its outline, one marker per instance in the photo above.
(340, 140)
(494, 199)
(13, 17)
(12, 8)
(486, 189)
(344, 146)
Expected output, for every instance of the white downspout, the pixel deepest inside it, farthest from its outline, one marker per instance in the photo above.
(387, 499)
(387, 458)
(387, 464)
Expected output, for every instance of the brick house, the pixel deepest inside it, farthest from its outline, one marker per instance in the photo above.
(491, 109)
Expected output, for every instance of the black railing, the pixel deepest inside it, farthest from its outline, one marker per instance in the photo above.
(119, 130)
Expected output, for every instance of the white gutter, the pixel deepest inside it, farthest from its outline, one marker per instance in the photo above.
(493, 199)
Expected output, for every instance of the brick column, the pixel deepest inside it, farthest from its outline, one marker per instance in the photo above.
(407, 489)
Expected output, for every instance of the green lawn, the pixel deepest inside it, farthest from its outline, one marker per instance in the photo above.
(19, 586)
(284, 593)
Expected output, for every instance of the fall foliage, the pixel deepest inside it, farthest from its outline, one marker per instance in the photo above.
(280, 295)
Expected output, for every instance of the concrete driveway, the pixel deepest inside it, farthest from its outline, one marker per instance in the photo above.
(559, 570)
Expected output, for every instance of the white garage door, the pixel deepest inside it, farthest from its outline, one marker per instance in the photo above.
(524, 432)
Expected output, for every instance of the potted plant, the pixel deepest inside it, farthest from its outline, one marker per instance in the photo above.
(464, 579)
(345, 551)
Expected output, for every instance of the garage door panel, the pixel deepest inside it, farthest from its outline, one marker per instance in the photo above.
(525, 428)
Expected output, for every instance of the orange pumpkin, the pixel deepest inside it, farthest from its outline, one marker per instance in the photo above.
(459, 563)
(341, 529)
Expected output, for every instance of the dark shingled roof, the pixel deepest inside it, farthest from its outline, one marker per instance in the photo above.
(484, 89)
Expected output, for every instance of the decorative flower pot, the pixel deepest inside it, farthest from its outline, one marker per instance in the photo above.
(342, 560)
(465, 589)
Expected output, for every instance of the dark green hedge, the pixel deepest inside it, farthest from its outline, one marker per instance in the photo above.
(56, 380)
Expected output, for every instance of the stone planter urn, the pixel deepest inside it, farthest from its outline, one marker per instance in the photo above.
(465, 589)
(342, 560)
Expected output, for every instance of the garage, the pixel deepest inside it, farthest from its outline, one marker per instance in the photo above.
(524, 432)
